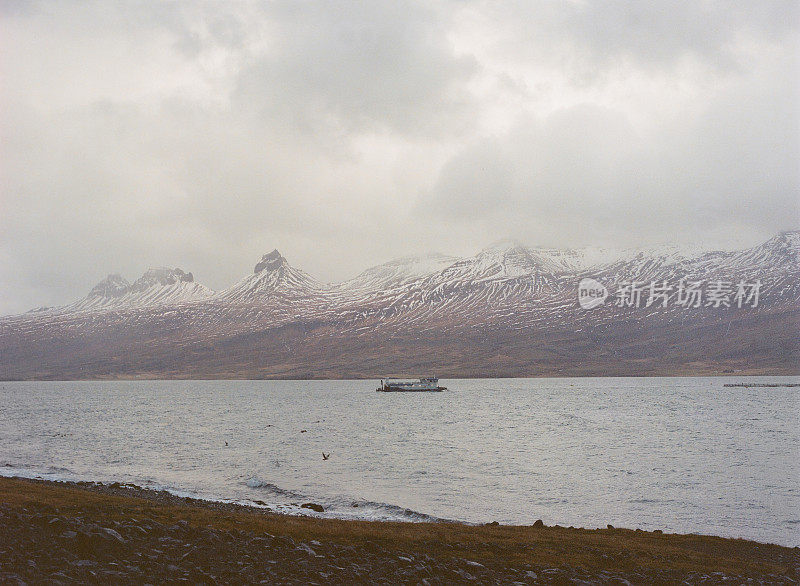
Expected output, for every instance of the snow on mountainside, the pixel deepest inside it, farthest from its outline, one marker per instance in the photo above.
(781, 251)
(501, 260)
(516, 284)
(159, 286)
(112, 286)
(499, 273)
(504, 273)
(506, 261)
(510, 310)
(272, 277)
(769, 260)
(398, 272)
(625, 263)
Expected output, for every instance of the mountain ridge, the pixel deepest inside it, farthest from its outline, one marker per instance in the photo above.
(504, 259)
(509, 310)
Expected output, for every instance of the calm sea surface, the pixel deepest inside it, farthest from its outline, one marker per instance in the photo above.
(678, 454)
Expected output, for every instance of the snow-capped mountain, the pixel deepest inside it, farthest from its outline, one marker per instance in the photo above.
(157, 286)
(508, 310)
(398, 272)
(779, 252)
(272, 277)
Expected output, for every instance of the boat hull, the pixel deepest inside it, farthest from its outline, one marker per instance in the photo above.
(398, 390)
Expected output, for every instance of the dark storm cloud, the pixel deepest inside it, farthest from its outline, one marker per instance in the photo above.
(203, 134)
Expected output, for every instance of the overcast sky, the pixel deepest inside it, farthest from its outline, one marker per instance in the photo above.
(202, 135)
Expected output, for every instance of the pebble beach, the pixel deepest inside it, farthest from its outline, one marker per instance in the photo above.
(67, 533)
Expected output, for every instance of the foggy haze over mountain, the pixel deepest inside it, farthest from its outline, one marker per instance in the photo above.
(203, 135)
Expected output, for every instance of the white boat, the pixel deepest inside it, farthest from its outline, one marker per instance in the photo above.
(404, 385)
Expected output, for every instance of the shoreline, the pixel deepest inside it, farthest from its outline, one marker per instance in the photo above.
(161, 493)
(306, 506)
(64, 531)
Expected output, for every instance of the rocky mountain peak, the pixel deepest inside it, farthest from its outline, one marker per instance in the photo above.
(787, 240)
(164, 276)
(507, 257)
(114, 285)
(782, 249)
(270, 262)
(157, 286)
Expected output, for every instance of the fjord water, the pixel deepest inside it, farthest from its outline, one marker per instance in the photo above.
(679, 454)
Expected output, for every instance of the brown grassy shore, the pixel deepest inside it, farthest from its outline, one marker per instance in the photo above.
(85, 533)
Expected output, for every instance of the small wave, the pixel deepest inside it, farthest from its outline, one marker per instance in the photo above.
(339, 507)
(374, 511)
(276, 490)
(56, 473)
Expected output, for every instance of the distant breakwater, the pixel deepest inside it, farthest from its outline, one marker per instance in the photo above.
(769, 385)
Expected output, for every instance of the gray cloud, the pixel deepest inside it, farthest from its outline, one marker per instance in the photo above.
(592, 37)
(202, 134)
(363, 67)
(729, 167)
